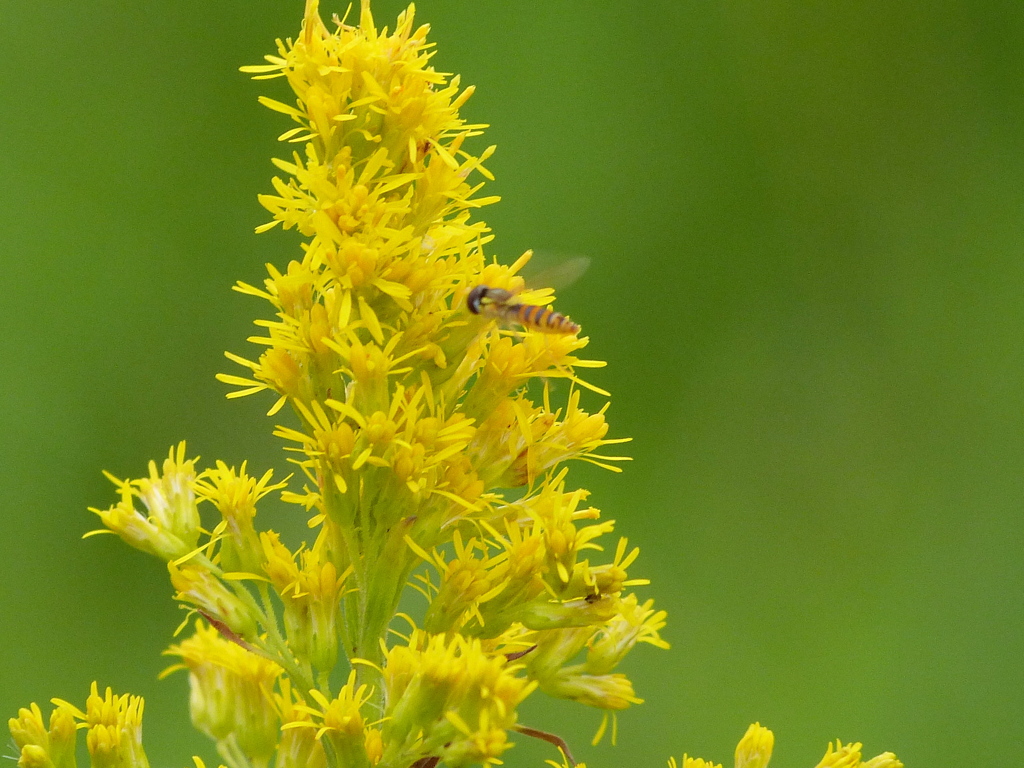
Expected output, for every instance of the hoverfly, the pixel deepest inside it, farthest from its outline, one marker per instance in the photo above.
(501, 304)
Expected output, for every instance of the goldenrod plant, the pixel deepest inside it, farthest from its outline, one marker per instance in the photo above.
(430, 442)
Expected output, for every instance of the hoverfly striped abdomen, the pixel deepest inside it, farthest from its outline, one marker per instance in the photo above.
(498, 303)
(542, 318)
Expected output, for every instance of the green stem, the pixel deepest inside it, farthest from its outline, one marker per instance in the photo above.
(232, 753)
(275, 642)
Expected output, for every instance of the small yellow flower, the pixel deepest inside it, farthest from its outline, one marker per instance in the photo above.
(42, 746)
(198, 585)
(692, 762)
(374, 745)
(884, 760)
(448, 695)
(34, 756)
(231, 691)
(341, 723)
(28, 728)
(632, 624)
(842, 755)
(235, 494)
(466, 581)
(311, 593)
(298, 746)
(614, 691)
(170, 529)
(114, 735)
(755, 748)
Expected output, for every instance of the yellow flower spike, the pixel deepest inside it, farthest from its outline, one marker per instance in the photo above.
(317, 328)
(755, 748)
(279, 563)
(282, 369)
(169, 495)
(231, 689)
(610, 638)
(288, 581)
(170, 528)
(413, 417)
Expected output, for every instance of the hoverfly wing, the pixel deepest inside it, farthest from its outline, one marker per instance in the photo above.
(551, 269)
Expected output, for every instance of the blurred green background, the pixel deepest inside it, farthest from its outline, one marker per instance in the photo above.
(806, 221)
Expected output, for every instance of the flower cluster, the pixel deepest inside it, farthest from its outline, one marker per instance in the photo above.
(755, 750)
(113, 727)
(431, 444)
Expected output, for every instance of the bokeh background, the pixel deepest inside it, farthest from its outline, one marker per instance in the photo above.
(806, 222)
